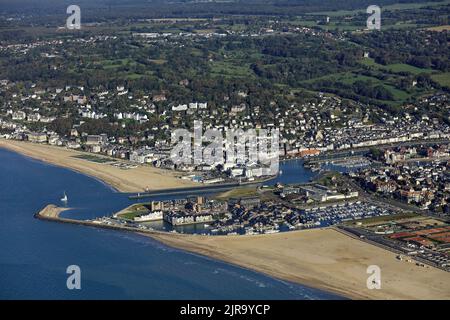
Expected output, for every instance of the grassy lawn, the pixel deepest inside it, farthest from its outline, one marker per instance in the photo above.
(133, 76)
(371, 63)
(402, 67)
(229, 69)
(442, 78)
(399, 95)
(130, 215)
(343, 26)
(237, 193)
(93, 158)
(133, 211)
(392, 7)
(396, 67)
(350, 78)
(327, 179)
(328, 76)
(113, 64)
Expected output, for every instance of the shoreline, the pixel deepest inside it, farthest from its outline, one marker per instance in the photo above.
(342, 294)
(135, 180)
(204, 252)
(127, 181)
(321, 258)
(51, 213)
(340, 268)
(324, 259)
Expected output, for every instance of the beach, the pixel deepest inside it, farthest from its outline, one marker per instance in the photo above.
(130, 180)
(321, 258)
(52, 211)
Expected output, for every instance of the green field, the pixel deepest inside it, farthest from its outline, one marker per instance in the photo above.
(131, 215)
(93, 158)
(339, 25)
(114, 64)
(237, 193)
(442, 78)
(229, 69)
(133, 211)
(402, 67)
(392, 7)
(133, 76)
(351, 77)
(396, 67)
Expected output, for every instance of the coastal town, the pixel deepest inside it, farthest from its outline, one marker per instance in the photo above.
(289, 141)
(350, 201)
(304, 130)
(416, 171)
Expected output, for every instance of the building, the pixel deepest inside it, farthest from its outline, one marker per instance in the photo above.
(157, 206)
(321, 193)
(247, 202)
(93, 140)
(152, 216)
(411, 195)
(309, 152)
(289, 190)
(34, 117)
(176, 219)
(19, 115)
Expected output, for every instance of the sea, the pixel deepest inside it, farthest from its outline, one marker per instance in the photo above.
(35, 254)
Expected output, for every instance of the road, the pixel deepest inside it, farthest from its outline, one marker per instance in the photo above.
(332, 155)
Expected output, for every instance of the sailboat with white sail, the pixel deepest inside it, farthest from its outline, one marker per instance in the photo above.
(64, 198)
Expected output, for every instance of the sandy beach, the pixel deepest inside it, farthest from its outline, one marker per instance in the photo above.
(131, 180)
(52, 211)
(321, 258)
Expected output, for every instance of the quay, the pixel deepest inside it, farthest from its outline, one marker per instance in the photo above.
(201, 189)
(52, 217)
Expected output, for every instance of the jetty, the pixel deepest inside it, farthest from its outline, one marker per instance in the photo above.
(202, 189)
(52, 213)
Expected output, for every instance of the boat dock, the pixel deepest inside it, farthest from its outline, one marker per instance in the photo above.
(51, 213)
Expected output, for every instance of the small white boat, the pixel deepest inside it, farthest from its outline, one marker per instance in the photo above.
(64, 199)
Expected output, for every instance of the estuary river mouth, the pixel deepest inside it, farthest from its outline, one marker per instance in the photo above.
(292, 171)
(114, 265)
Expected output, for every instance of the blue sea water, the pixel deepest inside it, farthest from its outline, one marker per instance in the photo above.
(34, 254)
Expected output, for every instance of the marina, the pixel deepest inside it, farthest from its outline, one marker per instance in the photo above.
(116, 265)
